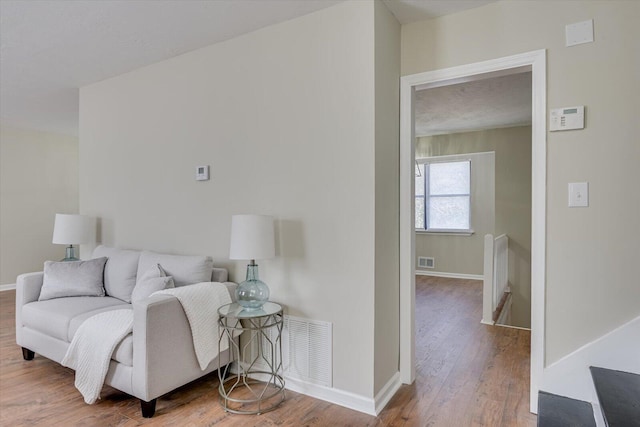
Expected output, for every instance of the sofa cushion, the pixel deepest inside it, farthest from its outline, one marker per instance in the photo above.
(123, 352)
(53, 317)
(186, 270)
(152, 281)
(72, 279)
(76, 321)
(119, 271)
(219, 275)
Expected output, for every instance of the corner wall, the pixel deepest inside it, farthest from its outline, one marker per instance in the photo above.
(285, 118)
(591, 279)
(38, 178)
(387, 196)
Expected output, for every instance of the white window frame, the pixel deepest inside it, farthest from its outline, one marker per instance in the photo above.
(425, 178)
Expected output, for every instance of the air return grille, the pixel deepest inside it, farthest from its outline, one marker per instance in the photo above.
(306, 350)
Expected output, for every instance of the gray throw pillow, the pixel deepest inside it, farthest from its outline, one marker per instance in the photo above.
(73, 279)
(155, 279)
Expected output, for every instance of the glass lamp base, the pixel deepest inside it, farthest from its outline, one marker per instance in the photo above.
(253, 292)
(70, 254)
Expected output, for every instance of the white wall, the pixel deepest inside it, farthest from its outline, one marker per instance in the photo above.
(38, 178)
(592, 284)
(285, 116)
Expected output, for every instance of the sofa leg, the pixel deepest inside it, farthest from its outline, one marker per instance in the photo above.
(27, 354)
(148, 408)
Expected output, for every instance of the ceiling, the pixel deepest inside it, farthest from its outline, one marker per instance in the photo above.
(481, 104)
(419, 10)
(50, 48)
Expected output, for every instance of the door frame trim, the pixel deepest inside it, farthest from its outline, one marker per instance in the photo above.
(535, 62)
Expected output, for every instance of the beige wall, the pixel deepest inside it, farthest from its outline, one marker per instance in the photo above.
(512, 147)
(387, 181)
(38, 178)
(286, 117)
(463, 254)
(591, 280)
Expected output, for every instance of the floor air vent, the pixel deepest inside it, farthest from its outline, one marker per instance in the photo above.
(426, 262)
(306, 350)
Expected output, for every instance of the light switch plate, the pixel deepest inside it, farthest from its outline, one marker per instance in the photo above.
(578, 194)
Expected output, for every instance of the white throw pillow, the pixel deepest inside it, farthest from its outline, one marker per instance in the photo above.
(155, 279)
(119, 272)
(73, 279)
(185, 269)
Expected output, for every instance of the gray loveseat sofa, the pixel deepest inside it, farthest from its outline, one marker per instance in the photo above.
(158, 356)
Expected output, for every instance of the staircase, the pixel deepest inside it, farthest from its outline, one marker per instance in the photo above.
(618, 394)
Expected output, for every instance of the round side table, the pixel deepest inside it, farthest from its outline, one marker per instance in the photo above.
(258, 385)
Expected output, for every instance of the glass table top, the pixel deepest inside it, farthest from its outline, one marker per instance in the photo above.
(239, 312)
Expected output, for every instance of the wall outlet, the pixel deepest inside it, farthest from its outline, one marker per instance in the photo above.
(426, 262)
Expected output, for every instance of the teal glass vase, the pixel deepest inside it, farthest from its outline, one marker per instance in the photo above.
(253, 292)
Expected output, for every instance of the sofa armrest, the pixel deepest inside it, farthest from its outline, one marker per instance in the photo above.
(231, 286)
(160, 346)
(28, 287)
(163, 354)
(27, 290)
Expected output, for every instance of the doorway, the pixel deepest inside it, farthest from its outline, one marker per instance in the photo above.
(534, 62)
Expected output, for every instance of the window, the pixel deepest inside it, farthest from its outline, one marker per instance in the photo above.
(443, 195)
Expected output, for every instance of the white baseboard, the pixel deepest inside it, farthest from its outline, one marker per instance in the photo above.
(449, 275)
(347, 399)
(597, 415)
(618, 350)
(501, 325)
(387, 392)
(333, 395)
(7, 287)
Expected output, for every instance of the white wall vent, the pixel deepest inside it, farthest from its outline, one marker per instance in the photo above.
(426, 262)
(307, 350)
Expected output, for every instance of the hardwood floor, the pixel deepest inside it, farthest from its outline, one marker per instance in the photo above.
(468, 374)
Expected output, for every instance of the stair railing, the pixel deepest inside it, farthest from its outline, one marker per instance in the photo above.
(496, 274)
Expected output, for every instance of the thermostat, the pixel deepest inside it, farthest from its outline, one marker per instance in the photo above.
(567, 118)
(202, 173)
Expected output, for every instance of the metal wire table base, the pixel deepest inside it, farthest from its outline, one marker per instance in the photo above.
(257, 386)
(263, 396)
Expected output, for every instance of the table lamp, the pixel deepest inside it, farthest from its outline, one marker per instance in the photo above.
(72, 230)
(252, 238)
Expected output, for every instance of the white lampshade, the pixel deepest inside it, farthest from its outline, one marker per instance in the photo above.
(73, 229)
(252, 237)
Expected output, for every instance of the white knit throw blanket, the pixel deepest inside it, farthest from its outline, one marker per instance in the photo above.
(91, 348)
(200, 303)
(93, 344)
